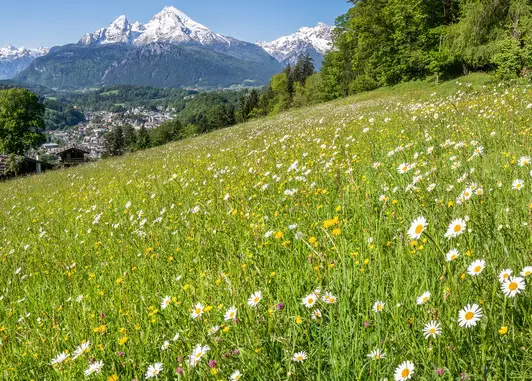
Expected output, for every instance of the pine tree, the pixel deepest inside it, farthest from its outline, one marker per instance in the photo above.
(143, 139)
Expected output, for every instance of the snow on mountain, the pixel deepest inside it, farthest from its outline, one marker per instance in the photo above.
(9, 52)
(13, 60)
(316, 41)
(170, 25)
(119, 31)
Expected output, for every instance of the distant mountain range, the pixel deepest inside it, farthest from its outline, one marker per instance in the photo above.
(14, 60)
(171, 50)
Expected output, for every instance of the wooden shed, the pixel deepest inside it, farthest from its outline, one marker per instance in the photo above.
(73, 156)
(24, 166)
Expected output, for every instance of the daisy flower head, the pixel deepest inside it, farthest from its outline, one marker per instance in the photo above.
(505, 274)
(165, 345)
(197, 311)
(452, 255)
(198, 352)
(235, 376)
(456, 228)
(378, 306)
(154, 370)
(524, 161)
(310, 300)
(254, 299)
(329, 298)
(513, 286)
(417, 228)
(94, 368)
(404, 371)
(469, 316)
(526, 271)
(476, 267)
(518, 185)
(166, 302)
(230, 314)
(81, 349)
(376, 354)
(403, 168)
(423, 298)
(316, 314)
(432, 329)
(59, 358)
(299, 356)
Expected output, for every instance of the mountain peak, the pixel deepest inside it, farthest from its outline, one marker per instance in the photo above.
(8, 46)
(169, 25)
(316, 41)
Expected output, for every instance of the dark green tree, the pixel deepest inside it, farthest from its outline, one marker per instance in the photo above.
(130, 138)
(169, 131)
(21, 121)
(143, 139)
(114, 142)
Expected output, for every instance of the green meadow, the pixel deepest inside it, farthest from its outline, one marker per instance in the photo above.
(382, 236)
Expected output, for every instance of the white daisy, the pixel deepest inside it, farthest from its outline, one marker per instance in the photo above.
(417, 228)
(299, 356)
(329, 298)
(505, 274)
(404, 371)
(469, 315)
(376, 354)
(526, 271)
(166, 302)
(197, 311)
(310, 300)
(423, 298)
(456, 227)
(452, 255)
(198, 352)
(60, 358)
(518, 184)
(432, 329)
(476, 267)
(254, 299)
(513, 286)
(95, 367)
(524, 160)
(154, 370)
(235, 376)
(378, 306)
(230, 314)
(81, 349)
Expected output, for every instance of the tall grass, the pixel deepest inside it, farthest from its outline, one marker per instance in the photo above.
(285, 205)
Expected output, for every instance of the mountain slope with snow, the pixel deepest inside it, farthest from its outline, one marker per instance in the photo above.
(171, 50)
(316, 41)
(14, 60)
(170, 25)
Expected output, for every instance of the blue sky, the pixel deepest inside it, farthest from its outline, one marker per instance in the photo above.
(34, 23)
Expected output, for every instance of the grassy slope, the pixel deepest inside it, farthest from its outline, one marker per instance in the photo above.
(78, 262)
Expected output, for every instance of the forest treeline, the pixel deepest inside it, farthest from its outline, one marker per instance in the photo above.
(385, 42)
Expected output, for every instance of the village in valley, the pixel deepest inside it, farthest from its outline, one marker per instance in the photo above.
(84, 142)
(89, 135)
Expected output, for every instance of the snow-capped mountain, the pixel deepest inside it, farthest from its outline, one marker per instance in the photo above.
(14, 60)
(316, 41)
(170, 26)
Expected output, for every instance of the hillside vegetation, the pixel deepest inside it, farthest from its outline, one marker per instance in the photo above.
(369, 238)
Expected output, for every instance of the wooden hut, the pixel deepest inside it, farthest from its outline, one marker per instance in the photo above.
(24, 166)
(73, 156)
